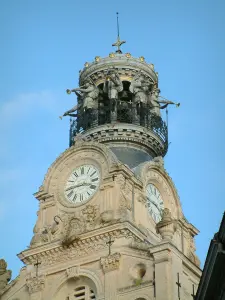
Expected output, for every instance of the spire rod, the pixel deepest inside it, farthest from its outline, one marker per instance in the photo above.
(118, 43)
(118, 28)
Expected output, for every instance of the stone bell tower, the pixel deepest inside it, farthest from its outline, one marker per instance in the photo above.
(110, 224)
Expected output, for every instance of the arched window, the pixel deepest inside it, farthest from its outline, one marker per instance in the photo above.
(84, 293)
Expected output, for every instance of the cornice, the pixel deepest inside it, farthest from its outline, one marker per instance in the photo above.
(91, 241)
(127, 66)
(135, 287)
(129, 133)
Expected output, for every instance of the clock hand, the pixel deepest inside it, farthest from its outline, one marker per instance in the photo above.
(153, 202)
(75, 186)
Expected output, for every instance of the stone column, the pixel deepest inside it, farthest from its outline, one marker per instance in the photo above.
(36, 286)
(110, 265)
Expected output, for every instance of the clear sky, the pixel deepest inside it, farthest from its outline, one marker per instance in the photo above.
(44, 44)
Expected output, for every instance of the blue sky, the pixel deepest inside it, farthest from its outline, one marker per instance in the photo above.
(46, 43)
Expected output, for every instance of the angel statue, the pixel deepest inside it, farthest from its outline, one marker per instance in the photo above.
(154, 102)
(112, 86)
(140, 88)
(87, 100)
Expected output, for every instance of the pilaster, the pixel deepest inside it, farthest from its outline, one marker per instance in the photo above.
(110, 265)
(162, 260)
(36, 286)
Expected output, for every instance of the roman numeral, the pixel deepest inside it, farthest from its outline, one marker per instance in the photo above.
(94, 179)
(88, 170)
(75, 173)
(70, 194)
(93, 173)
(81, 197)
(93, 187)
(75, 197)
(82, 170)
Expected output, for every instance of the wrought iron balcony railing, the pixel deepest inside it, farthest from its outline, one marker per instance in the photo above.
(126, 113)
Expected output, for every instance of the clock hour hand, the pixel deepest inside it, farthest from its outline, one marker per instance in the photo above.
(75, 186)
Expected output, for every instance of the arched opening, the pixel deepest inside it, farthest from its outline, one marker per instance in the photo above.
(82, 288)
(124, 105)
(83, 292)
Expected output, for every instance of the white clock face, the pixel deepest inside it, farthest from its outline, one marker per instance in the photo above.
(155, 202)
(82, 184)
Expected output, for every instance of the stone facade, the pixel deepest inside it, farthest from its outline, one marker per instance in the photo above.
(108, 247)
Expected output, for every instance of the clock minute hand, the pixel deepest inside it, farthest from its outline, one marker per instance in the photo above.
(153, 203)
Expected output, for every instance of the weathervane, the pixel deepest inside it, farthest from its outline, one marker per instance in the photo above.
(118, 43)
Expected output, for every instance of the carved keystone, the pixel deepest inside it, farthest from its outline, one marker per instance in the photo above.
(73, 272)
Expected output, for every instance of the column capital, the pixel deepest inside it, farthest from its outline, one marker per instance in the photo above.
(35, 284)
(111, 262)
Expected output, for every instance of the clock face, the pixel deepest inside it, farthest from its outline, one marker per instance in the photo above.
(155, 202)
(82, 184)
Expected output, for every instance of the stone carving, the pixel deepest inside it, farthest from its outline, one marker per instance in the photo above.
(5, 275)
(90, 214)
(142, 198)
(35, 284)
(166, 227)
(73, 272)
(40, 236)
(159, 161)
(191, 253)
(125, 192)
(72, 228)
(56, 228)
(110, 217)
(110, 262)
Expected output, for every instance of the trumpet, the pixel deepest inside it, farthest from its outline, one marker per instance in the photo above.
(177, 104)
(169, 102)
(68, 91)
(60, 117)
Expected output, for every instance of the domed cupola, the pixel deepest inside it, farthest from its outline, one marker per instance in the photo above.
(118, 104)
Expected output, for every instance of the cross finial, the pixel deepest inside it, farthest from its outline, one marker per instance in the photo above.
(118, 43)
(154, 284)
(193, 291)
(178, 285)
(110, 242)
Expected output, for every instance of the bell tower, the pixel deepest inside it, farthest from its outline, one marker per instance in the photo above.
(110, 224)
